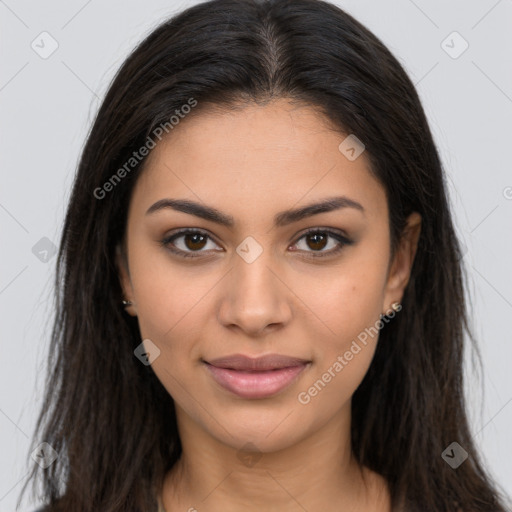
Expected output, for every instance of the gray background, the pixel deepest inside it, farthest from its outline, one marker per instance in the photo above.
(47, 106)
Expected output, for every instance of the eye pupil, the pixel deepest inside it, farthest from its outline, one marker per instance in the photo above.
(319, 240)
(197, 238)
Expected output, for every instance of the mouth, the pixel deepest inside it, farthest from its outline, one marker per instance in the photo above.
(254, 378)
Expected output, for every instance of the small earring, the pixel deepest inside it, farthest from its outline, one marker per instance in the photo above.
(396, 306)
(127, 303)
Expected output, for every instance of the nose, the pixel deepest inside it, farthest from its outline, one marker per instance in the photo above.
(254, 298)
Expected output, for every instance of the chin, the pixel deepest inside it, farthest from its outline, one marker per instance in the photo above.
(265, 432)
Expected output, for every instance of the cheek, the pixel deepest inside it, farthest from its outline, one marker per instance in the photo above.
(349, 299)
(165, 294)
(349, 304)
(170, 310)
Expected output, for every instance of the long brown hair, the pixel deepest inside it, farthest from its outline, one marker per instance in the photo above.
(109, 418)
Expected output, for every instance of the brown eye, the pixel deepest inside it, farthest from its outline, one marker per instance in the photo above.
(317, 241)
(195, 241)
(187, 242)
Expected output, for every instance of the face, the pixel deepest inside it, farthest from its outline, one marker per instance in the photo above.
(219, 263)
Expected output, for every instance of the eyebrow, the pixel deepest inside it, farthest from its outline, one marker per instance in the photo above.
(280, 219)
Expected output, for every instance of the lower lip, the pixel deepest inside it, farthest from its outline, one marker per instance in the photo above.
(255, 384)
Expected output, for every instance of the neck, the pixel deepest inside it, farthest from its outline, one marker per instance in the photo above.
(316, 473)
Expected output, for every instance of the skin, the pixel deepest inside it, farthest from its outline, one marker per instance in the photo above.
(252, 164)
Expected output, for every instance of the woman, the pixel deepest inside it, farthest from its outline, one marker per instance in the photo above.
(261, 300)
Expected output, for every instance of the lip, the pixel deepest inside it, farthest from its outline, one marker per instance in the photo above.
(259, 377)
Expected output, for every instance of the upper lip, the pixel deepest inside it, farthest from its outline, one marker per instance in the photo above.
(266, 362)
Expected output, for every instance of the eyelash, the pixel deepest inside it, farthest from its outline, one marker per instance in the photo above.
(343, 240)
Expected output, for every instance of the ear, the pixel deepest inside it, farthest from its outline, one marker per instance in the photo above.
(400, 268)
(124, 279)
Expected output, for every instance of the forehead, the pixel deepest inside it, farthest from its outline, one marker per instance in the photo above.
(257, 157)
